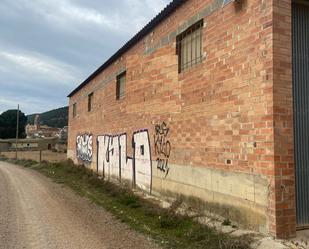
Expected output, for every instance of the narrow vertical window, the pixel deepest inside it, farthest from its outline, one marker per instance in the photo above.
(74, 110)
(189, 46)
(120, 86)
(90, 100)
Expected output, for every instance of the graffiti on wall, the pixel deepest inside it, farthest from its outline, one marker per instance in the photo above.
(114, 162)
(84, 147)
(162, 147)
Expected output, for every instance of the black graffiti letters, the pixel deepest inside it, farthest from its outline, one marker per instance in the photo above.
(162, 147)
(113, 161)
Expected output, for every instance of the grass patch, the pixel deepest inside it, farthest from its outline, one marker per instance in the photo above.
(163, 225)
(226, 222)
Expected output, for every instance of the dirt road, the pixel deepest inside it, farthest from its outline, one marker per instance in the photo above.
(38, 213)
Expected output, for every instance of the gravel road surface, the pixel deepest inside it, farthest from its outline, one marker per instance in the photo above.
(38, 213)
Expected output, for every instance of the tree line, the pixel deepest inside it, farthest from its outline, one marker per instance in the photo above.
(8, 123)
(55, 118)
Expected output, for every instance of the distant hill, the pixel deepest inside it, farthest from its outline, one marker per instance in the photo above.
(55, 118)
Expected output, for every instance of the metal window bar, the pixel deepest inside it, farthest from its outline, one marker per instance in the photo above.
(189, 46)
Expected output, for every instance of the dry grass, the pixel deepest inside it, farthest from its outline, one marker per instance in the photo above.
(35, 155)
(167, 228)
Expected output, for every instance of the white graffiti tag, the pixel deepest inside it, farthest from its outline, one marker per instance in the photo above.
(84, 147)
(114, 162)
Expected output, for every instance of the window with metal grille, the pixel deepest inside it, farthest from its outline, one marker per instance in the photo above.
(74, 110)
(120, 86)
(189, 46)
(90, 99)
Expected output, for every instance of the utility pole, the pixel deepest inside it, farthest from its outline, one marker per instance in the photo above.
(17, 128)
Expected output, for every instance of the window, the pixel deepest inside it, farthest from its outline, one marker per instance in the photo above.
(90, 99)
(189, 46)
(120, 86)
(74, 110)
(142, 150)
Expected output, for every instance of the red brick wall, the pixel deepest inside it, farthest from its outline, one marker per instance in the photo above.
(283, 203)
(235, 105)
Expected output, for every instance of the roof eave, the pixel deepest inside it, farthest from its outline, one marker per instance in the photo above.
(167, 11)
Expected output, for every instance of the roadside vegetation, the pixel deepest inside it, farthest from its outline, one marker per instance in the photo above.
(168, 229)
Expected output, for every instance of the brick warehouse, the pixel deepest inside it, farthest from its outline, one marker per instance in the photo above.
(199, 104)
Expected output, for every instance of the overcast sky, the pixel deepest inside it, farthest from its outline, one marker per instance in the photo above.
(48, 47)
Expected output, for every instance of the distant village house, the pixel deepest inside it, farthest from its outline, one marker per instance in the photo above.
(43, 131)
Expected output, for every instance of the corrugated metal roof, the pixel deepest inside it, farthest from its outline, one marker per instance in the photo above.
(170, 8)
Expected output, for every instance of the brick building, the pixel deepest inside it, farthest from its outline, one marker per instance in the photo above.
(199, 104)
